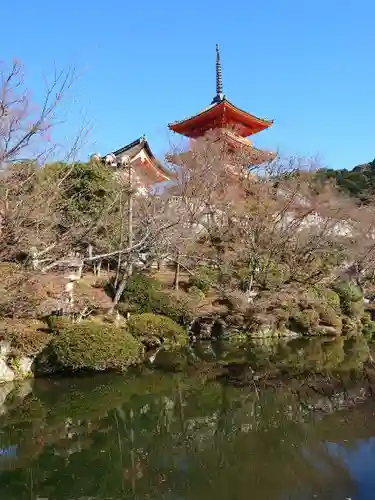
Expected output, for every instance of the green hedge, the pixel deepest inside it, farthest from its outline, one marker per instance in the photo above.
(90, 345)
(144, 294)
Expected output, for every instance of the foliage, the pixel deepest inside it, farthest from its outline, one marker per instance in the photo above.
(305, 320)
(329, 317)
(351, 298)
(196, 293)
(328, 297)
(309, 312)
(87, 186)
(25, 337)
(140, 285)
(368, 326)
(144, 294)
(271, 274)
(235, 301)
(348, 291)
(56, 323)
(353, 309)
(358, 182)
(25, 293)
(154, 329)
(202, 279)
(89, 297)
(90, 345)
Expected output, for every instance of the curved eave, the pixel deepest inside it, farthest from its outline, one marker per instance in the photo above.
(157, 164)
(221, 114)
(156, 170)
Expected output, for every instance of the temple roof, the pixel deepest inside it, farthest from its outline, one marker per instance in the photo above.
(220, 115)
(134, 148)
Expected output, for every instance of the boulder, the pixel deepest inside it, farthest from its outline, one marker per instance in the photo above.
(6, 373)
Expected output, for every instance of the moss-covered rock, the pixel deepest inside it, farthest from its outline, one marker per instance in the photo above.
(329, 317)
(348, 291)
(327, 297)
(154, 329)
(196, 293)
(305, 321)
(350, 326)
(368, 326)
(353, 309)
(171, 360)
(90, 345)
(351, 298)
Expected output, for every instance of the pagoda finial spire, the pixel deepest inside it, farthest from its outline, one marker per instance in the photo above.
(219, 79)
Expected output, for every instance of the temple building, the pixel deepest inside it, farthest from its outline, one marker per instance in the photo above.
(147, 170)
(228, 121)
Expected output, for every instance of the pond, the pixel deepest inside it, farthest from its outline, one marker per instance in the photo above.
(194, 434)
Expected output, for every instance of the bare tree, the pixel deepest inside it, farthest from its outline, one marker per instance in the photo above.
(264, 225)
(25, 128)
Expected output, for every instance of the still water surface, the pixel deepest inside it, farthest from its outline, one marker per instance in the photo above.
(182, 436)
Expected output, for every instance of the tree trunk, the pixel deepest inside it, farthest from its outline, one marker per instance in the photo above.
(119, 292)
(118, 268)
(176, 281)
(98, 269)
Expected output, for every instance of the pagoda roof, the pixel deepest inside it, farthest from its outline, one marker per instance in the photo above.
(134, 148)
(256, 155)
(250, 153)
(220, 114)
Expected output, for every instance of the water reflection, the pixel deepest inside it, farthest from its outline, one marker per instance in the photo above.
(180, 435)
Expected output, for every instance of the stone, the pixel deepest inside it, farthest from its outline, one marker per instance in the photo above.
(6, 373)
(5, 348)
(5, 390)
(24, 367)
(327, 330)
(24, 388)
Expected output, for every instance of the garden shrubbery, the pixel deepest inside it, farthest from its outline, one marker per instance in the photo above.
(24, 293)
(351, 298)
(202, 279)
(26, 337)
(154, 330)
(144, 294)
(90, 345)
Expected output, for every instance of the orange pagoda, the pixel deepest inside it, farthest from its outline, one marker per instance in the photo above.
(224, 117)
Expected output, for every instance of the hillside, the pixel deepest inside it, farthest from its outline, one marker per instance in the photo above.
(358, 182)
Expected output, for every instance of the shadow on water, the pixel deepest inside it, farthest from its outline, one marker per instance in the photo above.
(269, 421)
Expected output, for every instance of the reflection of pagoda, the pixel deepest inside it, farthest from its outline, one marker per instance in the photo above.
(225, 118)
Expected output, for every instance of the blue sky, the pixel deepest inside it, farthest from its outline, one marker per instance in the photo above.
(307, 64)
